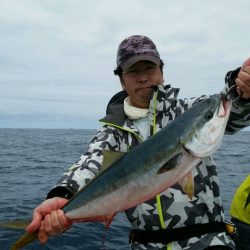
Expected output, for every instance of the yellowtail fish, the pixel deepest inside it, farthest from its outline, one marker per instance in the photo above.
(151, 167)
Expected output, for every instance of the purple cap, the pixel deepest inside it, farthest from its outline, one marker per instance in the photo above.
(134, 49)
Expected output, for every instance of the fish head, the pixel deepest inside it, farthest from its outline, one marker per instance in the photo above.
(206, 134)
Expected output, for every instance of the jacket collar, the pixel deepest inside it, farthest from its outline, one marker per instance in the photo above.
(115, 111)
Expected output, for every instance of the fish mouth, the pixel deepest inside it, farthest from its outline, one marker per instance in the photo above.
(225, 106)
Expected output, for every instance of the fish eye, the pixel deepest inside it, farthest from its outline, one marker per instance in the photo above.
(209, 115)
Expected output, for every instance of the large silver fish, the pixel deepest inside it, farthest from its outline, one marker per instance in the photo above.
(150, 168)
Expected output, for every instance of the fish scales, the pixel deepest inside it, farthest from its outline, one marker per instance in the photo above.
(136, 171)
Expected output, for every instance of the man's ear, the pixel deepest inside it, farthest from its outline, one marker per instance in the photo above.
(122, 83)
(123, 86)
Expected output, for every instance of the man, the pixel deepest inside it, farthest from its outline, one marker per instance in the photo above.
(143, 108)
(240, 212)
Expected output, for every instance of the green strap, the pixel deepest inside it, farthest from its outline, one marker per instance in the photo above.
(158, 198)
(155, 102)
(159, 209)
(169, 246)
(128, 130)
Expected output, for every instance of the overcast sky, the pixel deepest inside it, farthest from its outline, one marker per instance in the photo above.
(57, 57)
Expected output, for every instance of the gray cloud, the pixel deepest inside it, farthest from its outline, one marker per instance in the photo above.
(57, 57)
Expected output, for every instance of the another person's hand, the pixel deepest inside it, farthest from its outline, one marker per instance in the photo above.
(243, 80)
(49, 219)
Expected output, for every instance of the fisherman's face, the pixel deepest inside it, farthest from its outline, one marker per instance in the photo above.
(139, 81)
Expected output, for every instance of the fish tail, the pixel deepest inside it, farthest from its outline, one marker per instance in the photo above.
(24, 240)
(16, 224)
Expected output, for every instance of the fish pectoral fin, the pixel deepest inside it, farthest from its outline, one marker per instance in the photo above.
(187, 185)
(109, 157)
(170, 164)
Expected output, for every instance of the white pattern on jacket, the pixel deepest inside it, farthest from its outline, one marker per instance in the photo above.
(120, 134)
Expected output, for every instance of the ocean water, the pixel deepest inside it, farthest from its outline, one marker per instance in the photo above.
(32, 160)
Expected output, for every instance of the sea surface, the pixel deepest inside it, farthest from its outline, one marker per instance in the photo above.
(32, 160)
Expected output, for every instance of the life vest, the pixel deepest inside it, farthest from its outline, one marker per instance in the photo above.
(240, 207)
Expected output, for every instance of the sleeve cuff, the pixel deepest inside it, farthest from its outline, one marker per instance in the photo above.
(60, 191)
(230, 80)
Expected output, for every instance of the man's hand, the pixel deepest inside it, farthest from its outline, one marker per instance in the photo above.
(49, 219)
(243, 80)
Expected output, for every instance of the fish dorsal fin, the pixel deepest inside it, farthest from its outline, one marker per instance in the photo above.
(187, 185)
(170, 164)
(109, 157)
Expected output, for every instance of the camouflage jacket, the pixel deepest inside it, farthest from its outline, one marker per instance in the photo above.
(172, 208)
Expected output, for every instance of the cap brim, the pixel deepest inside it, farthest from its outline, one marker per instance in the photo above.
(126, 65)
